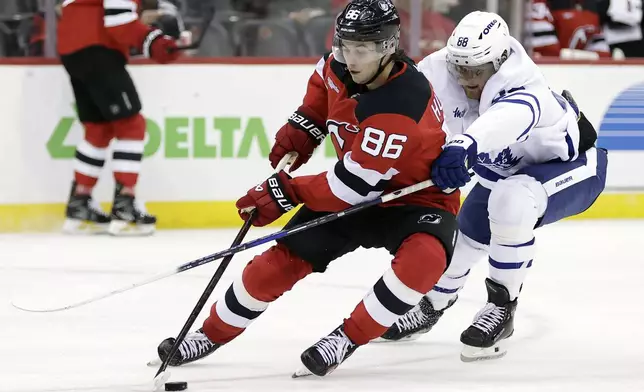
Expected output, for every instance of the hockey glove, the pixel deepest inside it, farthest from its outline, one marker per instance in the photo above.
(587, 133)
(272, 199)
(301, 134)
(161, 48)
(449, 170)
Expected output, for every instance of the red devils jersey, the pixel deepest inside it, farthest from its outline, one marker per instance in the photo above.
(557, 24)
(385, 139)
(111, 23)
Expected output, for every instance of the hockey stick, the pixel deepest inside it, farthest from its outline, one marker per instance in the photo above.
(162, 376)
(247, 245)
(204, 29)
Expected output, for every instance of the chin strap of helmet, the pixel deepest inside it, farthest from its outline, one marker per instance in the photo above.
(381, 67)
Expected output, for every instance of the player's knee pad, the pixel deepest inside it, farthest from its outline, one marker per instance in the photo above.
(514, 207)
(98, 134)
(420, 261)
(273, 273)
(130, 128)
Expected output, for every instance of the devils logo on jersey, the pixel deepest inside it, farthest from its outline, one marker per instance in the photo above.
(337, 129)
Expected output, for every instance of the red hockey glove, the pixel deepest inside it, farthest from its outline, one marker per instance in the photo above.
(272, 199)
(301, 134)
(161, 48)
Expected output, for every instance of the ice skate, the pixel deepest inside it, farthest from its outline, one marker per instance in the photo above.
(84, 215)
(129, 217)
(413, 324)
(195, 346)
(486, 337)
(326, 355)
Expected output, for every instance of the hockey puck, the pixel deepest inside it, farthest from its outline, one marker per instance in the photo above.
(176, 386)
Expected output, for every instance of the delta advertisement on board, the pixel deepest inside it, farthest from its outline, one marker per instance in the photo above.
(210, 128)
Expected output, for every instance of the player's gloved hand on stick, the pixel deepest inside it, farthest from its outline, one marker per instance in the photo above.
(272, 199)
(301, 134)
(160, 48)
(449, 170)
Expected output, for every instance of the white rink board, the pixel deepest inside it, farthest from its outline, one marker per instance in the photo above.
(193, 107)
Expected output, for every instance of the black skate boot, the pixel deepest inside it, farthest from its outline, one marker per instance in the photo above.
(83, 215)
(485, 338)
(129, 217)
(327, 354)
(413, 324)
(195, 346)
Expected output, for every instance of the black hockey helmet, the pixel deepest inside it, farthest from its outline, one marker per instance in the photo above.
(368, 21)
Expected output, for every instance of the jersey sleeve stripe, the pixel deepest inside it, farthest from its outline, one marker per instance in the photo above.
(371, 177)
(522, 102)
(119, 12)
(528, 100)
(547, 40)
(119, 19)
(319, 68)
(572, 151)
(540, 26)
(120, 4)
(345, 193)
(354, 184)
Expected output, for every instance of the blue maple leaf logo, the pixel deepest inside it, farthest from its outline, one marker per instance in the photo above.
(504, 160)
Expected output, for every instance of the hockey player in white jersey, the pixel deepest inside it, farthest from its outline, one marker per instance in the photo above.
(534, 154)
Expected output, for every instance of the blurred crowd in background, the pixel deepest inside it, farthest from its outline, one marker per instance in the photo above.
(587, 29)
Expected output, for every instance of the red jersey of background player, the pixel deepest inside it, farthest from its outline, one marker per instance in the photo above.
(113, 24)
(385, 139)
(557, 24)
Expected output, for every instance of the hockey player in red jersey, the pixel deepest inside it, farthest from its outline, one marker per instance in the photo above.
(94, 41)
(559, 24)
(386, 126)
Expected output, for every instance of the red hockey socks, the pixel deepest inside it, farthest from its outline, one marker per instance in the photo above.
(264, 279)
(128, 150)
(417, 266)
(91, 153)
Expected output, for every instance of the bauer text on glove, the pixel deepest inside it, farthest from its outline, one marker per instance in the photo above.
(272, 199)
(301, 134)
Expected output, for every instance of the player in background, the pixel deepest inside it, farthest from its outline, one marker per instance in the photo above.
(386, 126)
(534, 154)
(554, 25)
(94, 42)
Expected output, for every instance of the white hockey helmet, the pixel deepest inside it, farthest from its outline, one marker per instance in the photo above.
(479, 38)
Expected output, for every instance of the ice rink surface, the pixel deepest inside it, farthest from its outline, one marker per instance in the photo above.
(579, 323)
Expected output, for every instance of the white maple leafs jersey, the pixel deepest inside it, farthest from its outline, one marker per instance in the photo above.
(518, 122)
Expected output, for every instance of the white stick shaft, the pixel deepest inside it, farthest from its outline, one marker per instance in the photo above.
(286, 160)
(406, 191)
(101, 296)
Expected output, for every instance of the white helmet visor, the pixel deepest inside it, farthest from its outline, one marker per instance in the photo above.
(361, 52)
(471, 75)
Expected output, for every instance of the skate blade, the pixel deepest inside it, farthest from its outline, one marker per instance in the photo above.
(81, 227)
(127, 229)
(302, 372)
(474, 354)
(159, 381)
(409, 338)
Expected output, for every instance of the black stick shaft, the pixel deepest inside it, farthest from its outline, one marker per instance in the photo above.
(206, 294)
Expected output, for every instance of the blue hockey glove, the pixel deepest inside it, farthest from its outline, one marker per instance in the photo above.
(449, 170)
